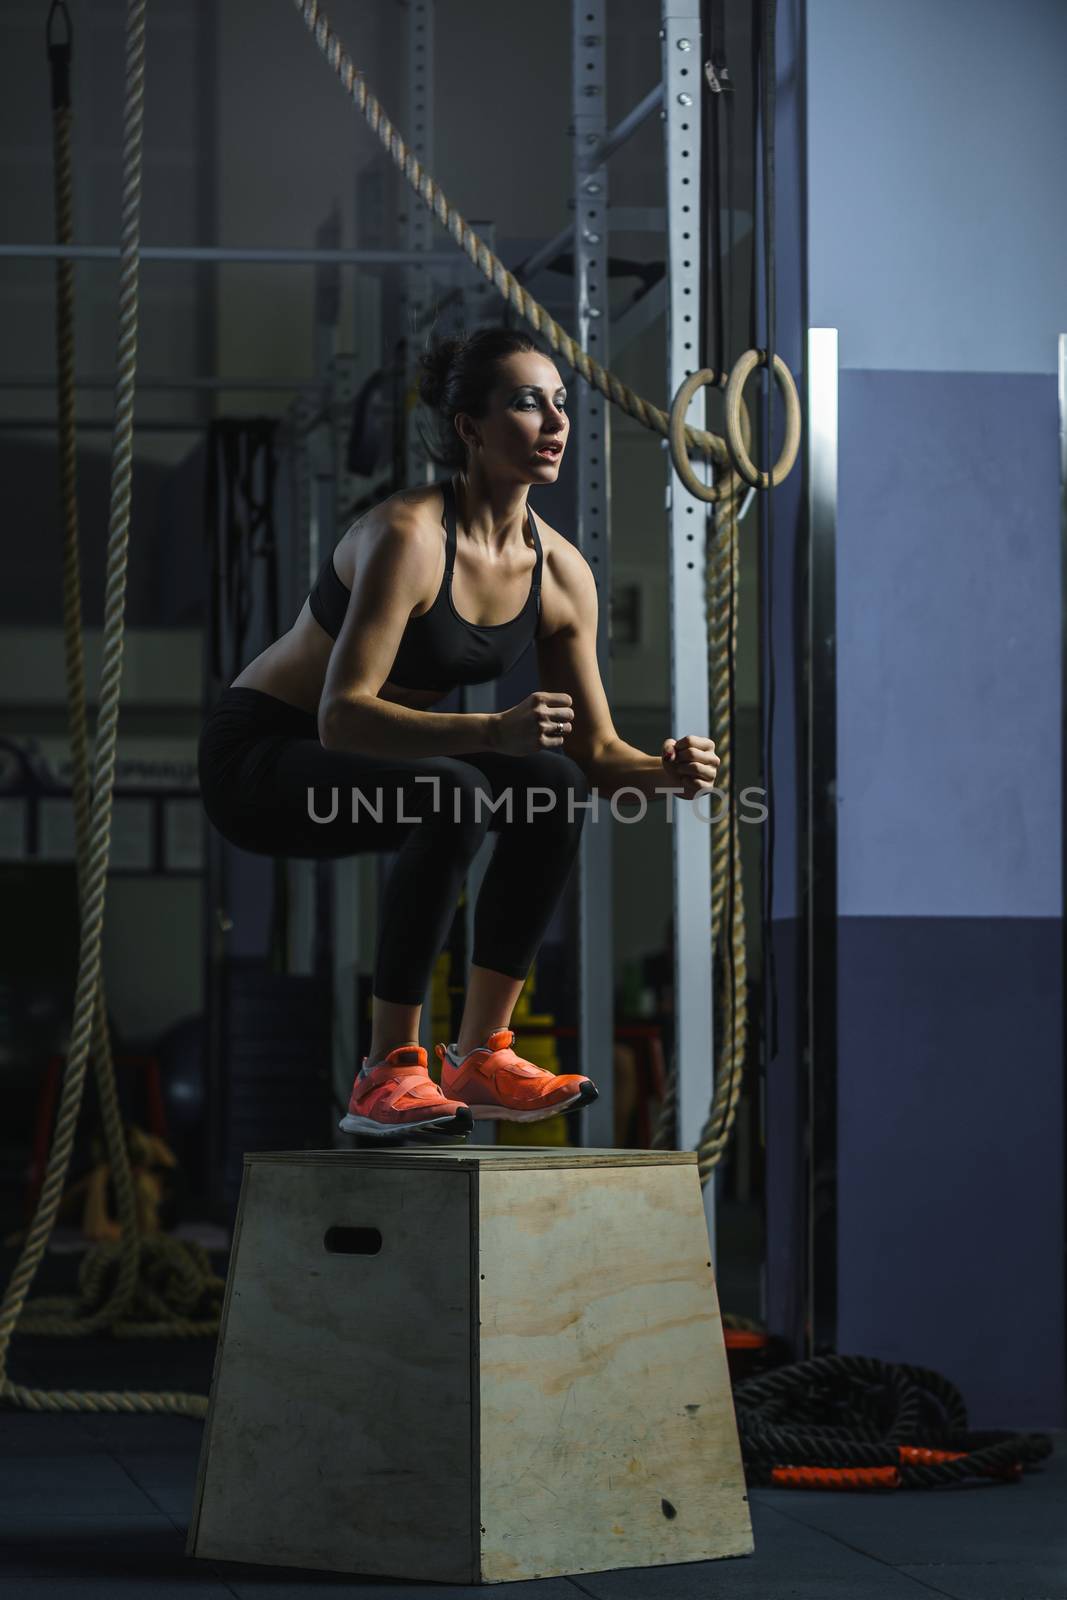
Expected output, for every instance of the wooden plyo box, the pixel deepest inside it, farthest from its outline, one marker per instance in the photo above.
(470, 1365)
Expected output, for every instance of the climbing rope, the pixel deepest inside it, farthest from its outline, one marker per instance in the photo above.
(727, 892)
(710, 445)
(137, 1280)
(727, 887)
(851, 1422)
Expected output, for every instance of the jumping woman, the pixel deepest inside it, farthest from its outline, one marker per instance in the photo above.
(325, 745)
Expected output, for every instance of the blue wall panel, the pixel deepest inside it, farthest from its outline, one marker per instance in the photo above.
(949, 640)
(937, 245)
(936, 138)
(950, 1170)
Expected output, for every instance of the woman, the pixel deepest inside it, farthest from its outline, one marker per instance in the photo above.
(325, 744)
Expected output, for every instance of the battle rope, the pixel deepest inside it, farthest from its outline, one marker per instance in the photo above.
(174, 1277)
(719, 451)
(892, 1427)
(167, 1262)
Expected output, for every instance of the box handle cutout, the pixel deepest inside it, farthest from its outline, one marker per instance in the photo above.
(353, 1241)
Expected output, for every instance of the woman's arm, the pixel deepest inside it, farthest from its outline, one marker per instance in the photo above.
(374, 727)
(568, 664)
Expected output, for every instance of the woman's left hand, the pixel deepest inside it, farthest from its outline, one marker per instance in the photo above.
(692, 764)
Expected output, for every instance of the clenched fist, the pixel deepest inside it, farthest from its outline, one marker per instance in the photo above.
(540, 722)
(692, 764)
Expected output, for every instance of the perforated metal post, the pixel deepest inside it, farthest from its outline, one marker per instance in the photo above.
(596, 1019)
(344, 386)
(418, 222)
(304, 530)
(691, 825)
(481, 306)
(351, 879)
(319, 461)
(417, 236)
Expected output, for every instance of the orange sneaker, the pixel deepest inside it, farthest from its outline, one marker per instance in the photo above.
(398, 1096)
(500, 1086)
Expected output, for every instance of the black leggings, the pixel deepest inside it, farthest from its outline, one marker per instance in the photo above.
(268, 786)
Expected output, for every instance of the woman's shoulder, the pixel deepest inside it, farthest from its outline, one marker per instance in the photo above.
(406, 518)
(407, 510)
(562, 556)
(418, 506)
(568, 588)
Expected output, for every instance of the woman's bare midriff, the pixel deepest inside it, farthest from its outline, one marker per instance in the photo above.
(293, 668)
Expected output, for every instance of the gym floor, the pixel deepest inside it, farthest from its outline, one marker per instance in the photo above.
(98, 1506)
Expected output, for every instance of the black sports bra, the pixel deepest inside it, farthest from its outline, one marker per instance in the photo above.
(440, 649)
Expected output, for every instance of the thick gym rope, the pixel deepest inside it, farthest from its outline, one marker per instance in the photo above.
(174, 1274)
(727, 893)
(719, 451)
(879, 1410)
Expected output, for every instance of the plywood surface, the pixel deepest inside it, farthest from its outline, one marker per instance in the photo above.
(608, 1436)
(477, 1156)
(340, 1433)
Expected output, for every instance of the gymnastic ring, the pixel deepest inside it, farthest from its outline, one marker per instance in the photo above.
(730, 482)
(738, 447)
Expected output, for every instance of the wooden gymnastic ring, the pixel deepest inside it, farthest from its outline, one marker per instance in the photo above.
(730, 482)
(737, 446)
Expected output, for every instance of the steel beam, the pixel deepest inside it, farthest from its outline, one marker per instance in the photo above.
(418, 230)
(417, 290)
(629, 125)
(547, 252)
(690, 711)
(316, 534)
(344, 880)
(596, 1014)
(223, 255)
(626, 327)
(165, 385)
(820, 878)
(597, 156)
(96, 425)
(1061, 390)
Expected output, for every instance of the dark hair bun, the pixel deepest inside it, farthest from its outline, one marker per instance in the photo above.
(434, 365)
(457, 374)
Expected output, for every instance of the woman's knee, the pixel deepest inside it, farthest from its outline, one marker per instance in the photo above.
(450, 807)
(457, 794)
(555, 789)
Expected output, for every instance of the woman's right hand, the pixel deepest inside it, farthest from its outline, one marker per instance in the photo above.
(538, 723)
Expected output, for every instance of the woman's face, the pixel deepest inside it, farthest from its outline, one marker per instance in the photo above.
(524, 431)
